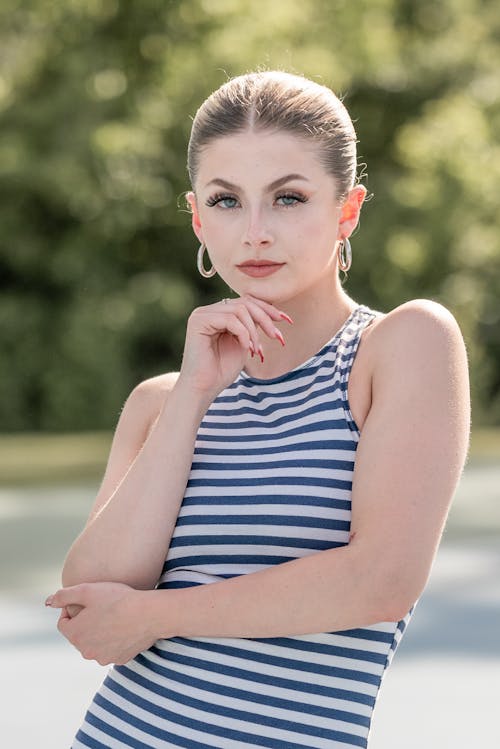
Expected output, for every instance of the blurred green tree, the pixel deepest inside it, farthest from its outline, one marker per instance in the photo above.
(97, 258)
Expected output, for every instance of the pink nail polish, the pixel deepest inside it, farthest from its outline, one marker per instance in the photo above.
(286, 317)
(279, 336)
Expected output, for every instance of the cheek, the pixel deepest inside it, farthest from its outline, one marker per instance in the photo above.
(317, 236)
(317, 221)
(218, 226)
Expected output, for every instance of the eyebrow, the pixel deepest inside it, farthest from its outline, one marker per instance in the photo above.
(272, 186)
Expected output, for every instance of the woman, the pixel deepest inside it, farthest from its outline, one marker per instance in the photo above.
(295, 475)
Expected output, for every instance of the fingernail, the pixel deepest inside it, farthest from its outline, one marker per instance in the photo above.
(49, 600)
(261, 354)
(286, 317)
(279, 336)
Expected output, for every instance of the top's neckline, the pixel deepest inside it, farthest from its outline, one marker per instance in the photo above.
(248, 378)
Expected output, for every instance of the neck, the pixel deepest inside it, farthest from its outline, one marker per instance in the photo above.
(317, 317)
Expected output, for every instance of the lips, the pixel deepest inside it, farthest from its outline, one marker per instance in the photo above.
(259, 269)
(258, 262)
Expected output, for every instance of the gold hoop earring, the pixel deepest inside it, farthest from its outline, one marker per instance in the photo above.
(344, 254)
(205, 273)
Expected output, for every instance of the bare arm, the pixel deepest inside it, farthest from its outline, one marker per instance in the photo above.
(128, 532)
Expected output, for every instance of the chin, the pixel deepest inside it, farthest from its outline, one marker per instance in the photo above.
(267, 295)
(266, 289)
(258, 290)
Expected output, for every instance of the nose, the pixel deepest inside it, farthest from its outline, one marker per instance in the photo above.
(256, 232)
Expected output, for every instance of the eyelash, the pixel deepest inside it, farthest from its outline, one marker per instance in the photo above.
(219, 197)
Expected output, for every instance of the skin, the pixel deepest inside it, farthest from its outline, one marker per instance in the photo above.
(408, 387)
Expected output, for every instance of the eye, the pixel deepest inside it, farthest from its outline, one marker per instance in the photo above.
(290, 199)
(224, 201)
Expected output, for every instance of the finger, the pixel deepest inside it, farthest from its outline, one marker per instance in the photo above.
(240, 309)
(63, 616)
(215, 320)
(67, 628)
(62, 622)
(65, 596)
(73, 609)
(230, 323)
(273, 312)
(264, 318)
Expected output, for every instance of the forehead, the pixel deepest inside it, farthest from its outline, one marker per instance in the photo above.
(263, 155)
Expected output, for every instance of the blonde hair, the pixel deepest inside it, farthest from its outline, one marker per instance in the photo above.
(279, 101)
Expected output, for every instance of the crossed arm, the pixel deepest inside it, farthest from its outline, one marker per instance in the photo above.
(409, 460)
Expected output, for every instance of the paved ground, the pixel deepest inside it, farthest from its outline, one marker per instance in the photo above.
(442, 689)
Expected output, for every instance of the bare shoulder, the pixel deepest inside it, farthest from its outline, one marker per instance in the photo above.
(147, 398)
(420, 362)
(156, 387)
(140, 410)
(418, 342)
(422, 326)
(419, 314)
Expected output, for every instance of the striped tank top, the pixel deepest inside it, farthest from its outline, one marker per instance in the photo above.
(270, 481)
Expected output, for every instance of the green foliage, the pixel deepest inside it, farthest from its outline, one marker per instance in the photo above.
(97, 258)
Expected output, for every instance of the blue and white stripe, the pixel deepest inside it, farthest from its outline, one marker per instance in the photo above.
(270, 481)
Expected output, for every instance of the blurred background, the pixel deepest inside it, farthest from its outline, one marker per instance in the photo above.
(98, 276)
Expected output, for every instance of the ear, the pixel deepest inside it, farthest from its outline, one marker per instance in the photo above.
(195, 217)
(349, 215)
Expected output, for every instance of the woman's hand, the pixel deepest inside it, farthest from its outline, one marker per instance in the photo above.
(219, 338)
(106, 622)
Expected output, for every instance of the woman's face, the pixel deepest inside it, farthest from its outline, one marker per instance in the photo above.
(266, 197)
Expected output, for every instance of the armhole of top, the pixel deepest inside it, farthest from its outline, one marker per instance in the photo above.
(353, 348)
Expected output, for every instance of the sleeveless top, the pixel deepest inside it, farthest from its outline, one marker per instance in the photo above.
(270, 481)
